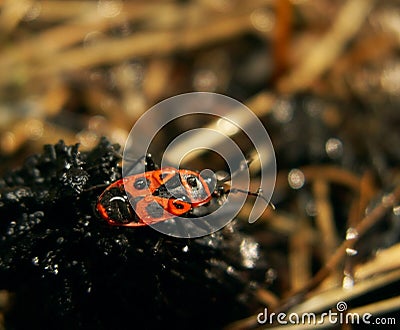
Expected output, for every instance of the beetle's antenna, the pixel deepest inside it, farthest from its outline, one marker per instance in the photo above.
(98, 186)
(258, 193)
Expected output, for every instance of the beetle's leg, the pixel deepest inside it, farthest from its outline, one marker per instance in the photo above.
(149, 163)
(97, 186)
(143, 164)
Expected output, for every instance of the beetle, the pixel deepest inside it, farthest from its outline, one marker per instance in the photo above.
(159, 194)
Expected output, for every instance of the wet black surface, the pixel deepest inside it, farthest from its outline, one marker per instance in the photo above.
(68, 269)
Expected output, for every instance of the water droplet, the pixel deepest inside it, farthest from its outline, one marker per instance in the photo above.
(8, 142)
(314, 107)
(348, 281)
(33, 12)
(250, 253)
(390, 80)
(388, 200)
(396, 210)
(351, 233)
(283, 111)
(270, 275)
(60, 240)
(334, 148)
(52, 268)
(296, 179)
(185, 249)
(109, 8)
(230, 270)
(208, 273)
(263, 19)
(311, 208)
(35, 261)
(205, 80)
(35, 129)
(351, 252)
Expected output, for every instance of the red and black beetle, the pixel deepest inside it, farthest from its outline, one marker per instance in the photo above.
(158, 195)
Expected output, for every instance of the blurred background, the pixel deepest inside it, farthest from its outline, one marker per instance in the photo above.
(323, 76)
